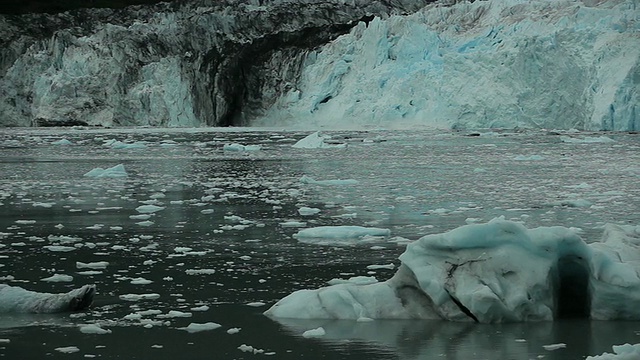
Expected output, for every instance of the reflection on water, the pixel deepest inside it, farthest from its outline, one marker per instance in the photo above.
(224, 213)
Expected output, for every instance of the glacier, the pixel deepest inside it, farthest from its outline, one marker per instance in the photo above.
(327, 65)
(486, 64)
(491, 273)
(179, 64)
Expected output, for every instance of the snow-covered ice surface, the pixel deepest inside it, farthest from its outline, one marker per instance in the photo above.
(151, 279)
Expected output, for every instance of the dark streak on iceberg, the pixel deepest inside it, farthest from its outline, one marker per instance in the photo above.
(188, 63)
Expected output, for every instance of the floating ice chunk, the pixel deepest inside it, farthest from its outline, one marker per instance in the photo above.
(200, 308)
(43, 204)
(250, 349)
(58, 278)
(149, 209)
(94, 329)
(89, 272)
(233, 331)
(621, 352)
(339, 233)
(552, 347)
(25, 222)
(256, 304)
(112, 172)
(141, 281)
(357, 280)
(92, 265)
(174, 314)
(240, 147)
(14, 299)
(293, 223)
(67, 349)
(309, 180)
(61, 142)
(586, 139)
(317, 332)
(145, 223)
(308, 211)
(59, 248)
(116, 144)
(377, 267)
(316, 141)
(137, 297)
(196, 327)
(200, 271)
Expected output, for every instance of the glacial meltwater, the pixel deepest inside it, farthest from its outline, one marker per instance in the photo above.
(188, 235)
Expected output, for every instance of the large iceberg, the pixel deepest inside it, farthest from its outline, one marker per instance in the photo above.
(494, 272)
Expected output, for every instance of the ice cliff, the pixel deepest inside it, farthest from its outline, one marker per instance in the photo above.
(187, 63)
(314, 64)
(494, 272)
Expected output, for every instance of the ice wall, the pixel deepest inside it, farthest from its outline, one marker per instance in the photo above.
(534, 64)
(327, 64)
(188, 63)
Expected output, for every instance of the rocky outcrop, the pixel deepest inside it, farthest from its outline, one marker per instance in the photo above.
(188, 63)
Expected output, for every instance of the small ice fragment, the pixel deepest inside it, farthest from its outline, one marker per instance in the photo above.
(92, 265)
(552, 347)
(364, 319)
(233, 331)
(67, 349)
(140, 281)
(376, 267)
(112, 172)
(136, 297)
(314, 333)
(256, 304)
(94, 329)
(149, 209)
(58, 278)
(196, 327)
(308, 211)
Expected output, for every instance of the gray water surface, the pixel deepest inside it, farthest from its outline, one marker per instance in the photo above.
(228, 209)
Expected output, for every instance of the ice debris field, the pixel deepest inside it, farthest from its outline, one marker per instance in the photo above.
(185, 234)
